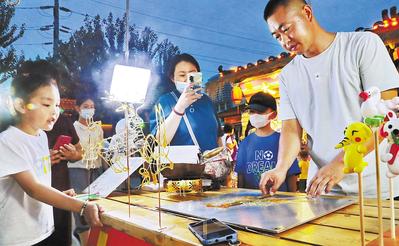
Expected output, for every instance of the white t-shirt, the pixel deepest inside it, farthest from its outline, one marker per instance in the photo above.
(23, 220)
(322, 93)
(89, 139)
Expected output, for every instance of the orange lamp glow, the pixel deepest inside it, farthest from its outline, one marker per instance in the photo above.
(396, 54)
(236, 95)
(394, 22)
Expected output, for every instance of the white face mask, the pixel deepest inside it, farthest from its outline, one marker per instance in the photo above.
(259, 120)
(87, 113)
(180, 86)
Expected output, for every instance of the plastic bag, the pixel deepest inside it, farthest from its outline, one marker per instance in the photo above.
(217, 163)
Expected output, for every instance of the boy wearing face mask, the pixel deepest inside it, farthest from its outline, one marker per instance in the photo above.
(85, 171)
(258, 151)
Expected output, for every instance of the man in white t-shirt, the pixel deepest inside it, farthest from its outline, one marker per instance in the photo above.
(319, 92)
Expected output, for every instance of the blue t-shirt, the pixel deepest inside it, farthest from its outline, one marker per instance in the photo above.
(257, 155)
(202, 118)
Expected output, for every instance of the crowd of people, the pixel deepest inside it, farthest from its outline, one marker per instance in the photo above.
(319, 95)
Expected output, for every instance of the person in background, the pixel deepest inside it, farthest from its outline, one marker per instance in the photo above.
(183, 103)
(59, 158)
(184, 100)
(85, 171)
(258, 152)
(304, 161)
(229, 141)
(319, 93)
(26, 197)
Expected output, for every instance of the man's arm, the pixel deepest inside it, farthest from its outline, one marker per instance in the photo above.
(290, 143)
(331, 174)
(289, 146)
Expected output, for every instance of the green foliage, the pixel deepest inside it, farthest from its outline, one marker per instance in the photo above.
(9, 59)
(101, 41)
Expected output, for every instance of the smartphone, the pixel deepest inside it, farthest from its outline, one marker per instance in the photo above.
(61, 141)
(213, 231)
(195, 79)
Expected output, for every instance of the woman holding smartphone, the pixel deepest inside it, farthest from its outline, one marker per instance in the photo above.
(187, 101)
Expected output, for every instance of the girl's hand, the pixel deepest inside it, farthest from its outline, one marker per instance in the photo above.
(92, 214)
(55, 157)
(188, 97)
(70, 192)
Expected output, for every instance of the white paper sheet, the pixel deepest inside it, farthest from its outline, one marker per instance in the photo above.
(110, 180)
(182, 154)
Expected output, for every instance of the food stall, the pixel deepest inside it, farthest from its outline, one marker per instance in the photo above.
(163, 218)
(142, 227)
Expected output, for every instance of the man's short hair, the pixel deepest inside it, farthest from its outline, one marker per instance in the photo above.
(272, 5)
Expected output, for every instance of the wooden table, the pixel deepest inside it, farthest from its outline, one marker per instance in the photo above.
(339, 228)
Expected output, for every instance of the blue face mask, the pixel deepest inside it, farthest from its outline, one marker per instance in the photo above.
(180, 86)
(87, 113)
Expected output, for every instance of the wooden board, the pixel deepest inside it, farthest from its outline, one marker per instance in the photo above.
(143, 224)
(341, 227)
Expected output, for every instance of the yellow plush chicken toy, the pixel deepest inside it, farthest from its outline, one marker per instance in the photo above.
(356, 135)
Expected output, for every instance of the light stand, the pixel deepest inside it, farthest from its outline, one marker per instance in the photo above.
(125, 92)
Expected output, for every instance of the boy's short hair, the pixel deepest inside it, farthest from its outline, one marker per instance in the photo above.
(261, 101)
(272, 5)
(227, 128)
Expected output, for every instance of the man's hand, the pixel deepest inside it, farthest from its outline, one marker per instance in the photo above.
(55, 157)
(271, 181)
(326, 178)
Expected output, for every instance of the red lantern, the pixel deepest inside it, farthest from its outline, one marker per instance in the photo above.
(236, 95)
(396, 54)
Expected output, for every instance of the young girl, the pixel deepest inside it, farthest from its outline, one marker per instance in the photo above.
(26, 197)
(85, 171)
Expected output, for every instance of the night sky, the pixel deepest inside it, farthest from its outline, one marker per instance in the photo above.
(216, 32)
